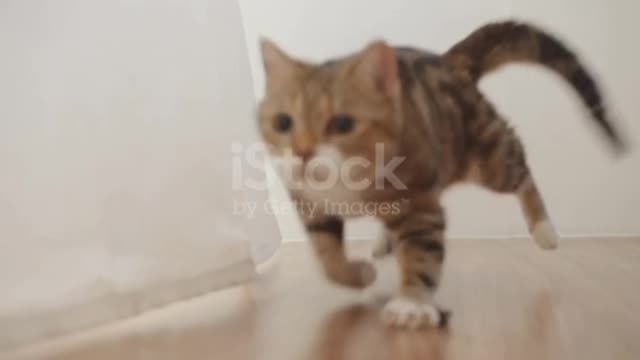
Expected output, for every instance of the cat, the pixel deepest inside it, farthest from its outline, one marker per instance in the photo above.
(425, 113)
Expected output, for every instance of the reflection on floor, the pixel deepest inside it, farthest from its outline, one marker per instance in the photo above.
(509, 300)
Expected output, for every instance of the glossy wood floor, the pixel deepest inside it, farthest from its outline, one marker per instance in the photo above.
(509, 300)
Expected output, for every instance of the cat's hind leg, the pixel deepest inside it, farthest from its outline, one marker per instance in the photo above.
(499, 163)
(538, 220)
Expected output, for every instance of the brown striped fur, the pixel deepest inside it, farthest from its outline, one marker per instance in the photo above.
(427, 109)
(494, 45)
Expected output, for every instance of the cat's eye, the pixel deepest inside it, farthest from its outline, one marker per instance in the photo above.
(283, 123)
(341, 124)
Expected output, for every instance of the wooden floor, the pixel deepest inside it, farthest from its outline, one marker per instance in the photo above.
(508, 299)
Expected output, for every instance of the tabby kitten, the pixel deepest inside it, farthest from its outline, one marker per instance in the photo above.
(424, 116)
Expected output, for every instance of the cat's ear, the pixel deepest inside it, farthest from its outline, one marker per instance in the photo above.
(378, 67)
(277, 64)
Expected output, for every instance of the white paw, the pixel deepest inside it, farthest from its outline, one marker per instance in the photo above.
(545, 235)
(404, 311)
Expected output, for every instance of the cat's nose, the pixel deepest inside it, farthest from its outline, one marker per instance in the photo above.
(305, 154)
(303, 146)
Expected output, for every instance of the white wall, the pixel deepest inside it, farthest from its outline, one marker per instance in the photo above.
(588, 192)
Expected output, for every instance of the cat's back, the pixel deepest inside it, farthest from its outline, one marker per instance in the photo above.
(413, 55)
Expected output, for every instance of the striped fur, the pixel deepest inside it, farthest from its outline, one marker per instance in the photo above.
(428, 110)
(495, 45)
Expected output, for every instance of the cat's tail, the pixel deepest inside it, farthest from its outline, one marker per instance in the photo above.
(497, 44)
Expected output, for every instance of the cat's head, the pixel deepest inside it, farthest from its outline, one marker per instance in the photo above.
(338, 110)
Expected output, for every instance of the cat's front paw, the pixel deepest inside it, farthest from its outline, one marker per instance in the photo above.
(408, 312)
